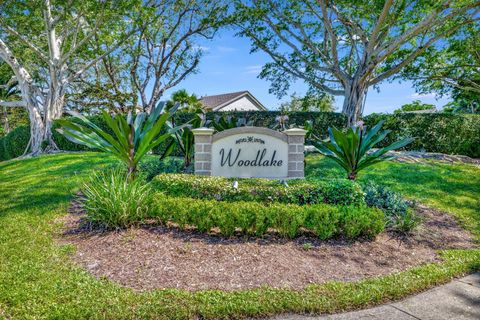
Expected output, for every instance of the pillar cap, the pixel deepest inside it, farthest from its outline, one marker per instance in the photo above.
(295, 132)
(203, 131)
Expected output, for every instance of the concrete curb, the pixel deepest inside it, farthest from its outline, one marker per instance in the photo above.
(459, 300)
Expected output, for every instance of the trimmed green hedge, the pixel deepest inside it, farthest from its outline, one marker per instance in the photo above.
(253, 218)
(17, 140)
(435, 132)
(300, 192)
(13, 144)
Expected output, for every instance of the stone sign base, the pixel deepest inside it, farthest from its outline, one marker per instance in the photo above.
(250, 152)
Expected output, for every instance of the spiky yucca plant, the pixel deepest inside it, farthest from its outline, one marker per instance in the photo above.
(132, 137)
(350, 149)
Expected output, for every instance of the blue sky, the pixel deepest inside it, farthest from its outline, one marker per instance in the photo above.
(228, 66)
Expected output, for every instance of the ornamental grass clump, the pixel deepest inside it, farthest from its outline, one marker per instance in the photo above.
(112, 200)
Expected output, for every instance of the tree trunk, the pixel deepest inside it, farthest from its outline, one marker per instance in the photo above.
(354, 101)
(37, 131)
(54, 111)
(31, 95)
(6, 124)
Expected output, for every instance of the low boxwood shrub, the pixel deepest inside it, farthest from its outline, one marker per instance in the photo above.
(114, 201)
(399, 212)
(361, 222)
(341, 191)
(253, 218)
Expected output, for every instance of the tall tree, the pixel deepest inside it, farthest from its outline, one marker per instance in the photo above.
(45, 43)
(344, 47)
(454, 71)
(312, 101)
(162, 53)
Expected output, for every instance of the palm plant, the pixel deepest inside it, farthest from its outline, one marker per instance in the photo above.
(183, 139)
(188, 102)
(224, 122)
(132, 137)
(351, 149)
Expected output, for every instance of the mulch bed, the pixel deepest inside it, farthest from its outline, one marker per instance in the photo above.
(150, 257)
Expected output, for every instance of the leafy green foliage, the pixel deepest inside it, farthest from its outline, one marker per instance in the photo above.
(312, 101)
(182, 140)
(321, 121)
(152, 166)
(449, 187)
(416, 105)
(350, 149)
(398, 211)
(301, 192)
(132, 138)
(112, 200)
(14, 143)
(38, 278)
(188, 102)
(225, 122)
(361, 222)
(436, 132)
(344, 47)
(453, 71)
(10, 118)
(255, 218)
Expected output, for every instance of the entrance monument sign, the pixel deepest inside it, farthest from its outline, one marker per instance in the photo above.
(250, 152)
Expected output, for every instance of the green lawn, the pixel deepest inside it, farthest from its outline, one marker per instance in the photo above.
(454, 188)
(37, 279)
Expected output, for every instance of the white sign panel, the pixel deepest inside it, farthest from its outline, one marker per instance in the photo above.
(250, 155)
(250, 152)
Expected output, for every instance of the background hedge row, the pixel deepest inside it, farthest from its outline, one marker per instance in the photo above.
(437, 132)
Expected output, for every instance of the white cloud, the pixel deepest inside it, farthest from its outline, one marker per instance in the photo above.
(255, 69)
(423, 96)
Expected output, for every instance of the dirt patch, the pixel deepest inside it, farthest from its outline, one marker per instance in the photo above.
(150, 257)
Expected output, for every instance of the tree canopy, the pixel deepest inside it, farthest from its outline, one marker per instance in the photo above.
(312, 101)
(344, 47)
(416, 105)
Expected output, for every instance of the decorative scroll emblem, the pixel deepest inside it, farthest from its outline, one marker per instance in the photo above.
(250, 139)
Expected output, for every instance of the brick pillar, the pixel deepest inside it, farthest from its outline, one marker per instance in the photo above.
(296, 141)
(203, 151)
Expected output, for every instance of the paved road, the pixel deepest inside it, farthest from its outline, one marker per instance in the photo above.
(457, 300)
